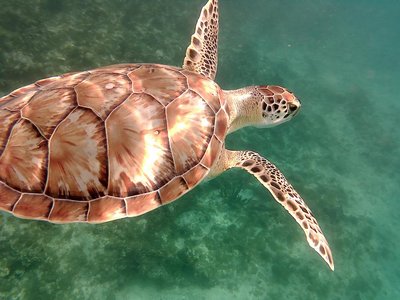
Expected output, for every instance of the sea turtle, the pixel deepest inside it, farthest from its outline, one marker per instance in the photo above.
(122, 140)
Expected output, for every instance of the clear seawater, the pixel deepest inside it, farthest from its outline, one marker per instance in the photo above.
(228, 238)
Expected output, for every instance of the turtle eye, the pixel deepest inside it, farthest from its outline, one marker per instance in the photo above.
(292, 107)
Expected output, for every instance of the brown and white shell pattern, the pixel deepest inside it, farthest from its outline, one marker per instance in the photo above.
(109, 143)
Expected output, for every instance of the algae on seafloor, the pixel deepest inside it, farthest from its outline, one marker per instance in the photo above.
(228, 239)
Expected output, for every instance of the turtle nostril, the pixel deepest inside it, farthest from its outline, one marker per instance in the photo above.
(292, 107)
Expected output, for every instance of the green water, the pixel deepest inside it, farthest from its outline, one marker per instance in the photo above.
(228, 239)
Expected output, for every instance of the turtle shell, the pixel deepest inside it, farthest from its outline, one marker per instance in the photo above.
(108, 143)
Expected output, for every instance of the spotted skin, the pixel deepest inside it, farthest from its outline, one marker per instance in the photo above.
(277, 101)
(202, 53)
(283, 192)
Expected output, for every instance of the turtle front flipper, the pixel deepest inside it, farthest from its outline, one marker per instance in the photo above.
(273, 179)
(202, 53)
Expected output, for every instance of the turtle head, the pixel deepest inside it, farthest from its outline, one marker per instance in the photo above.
(261, 106)
(277, 105)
